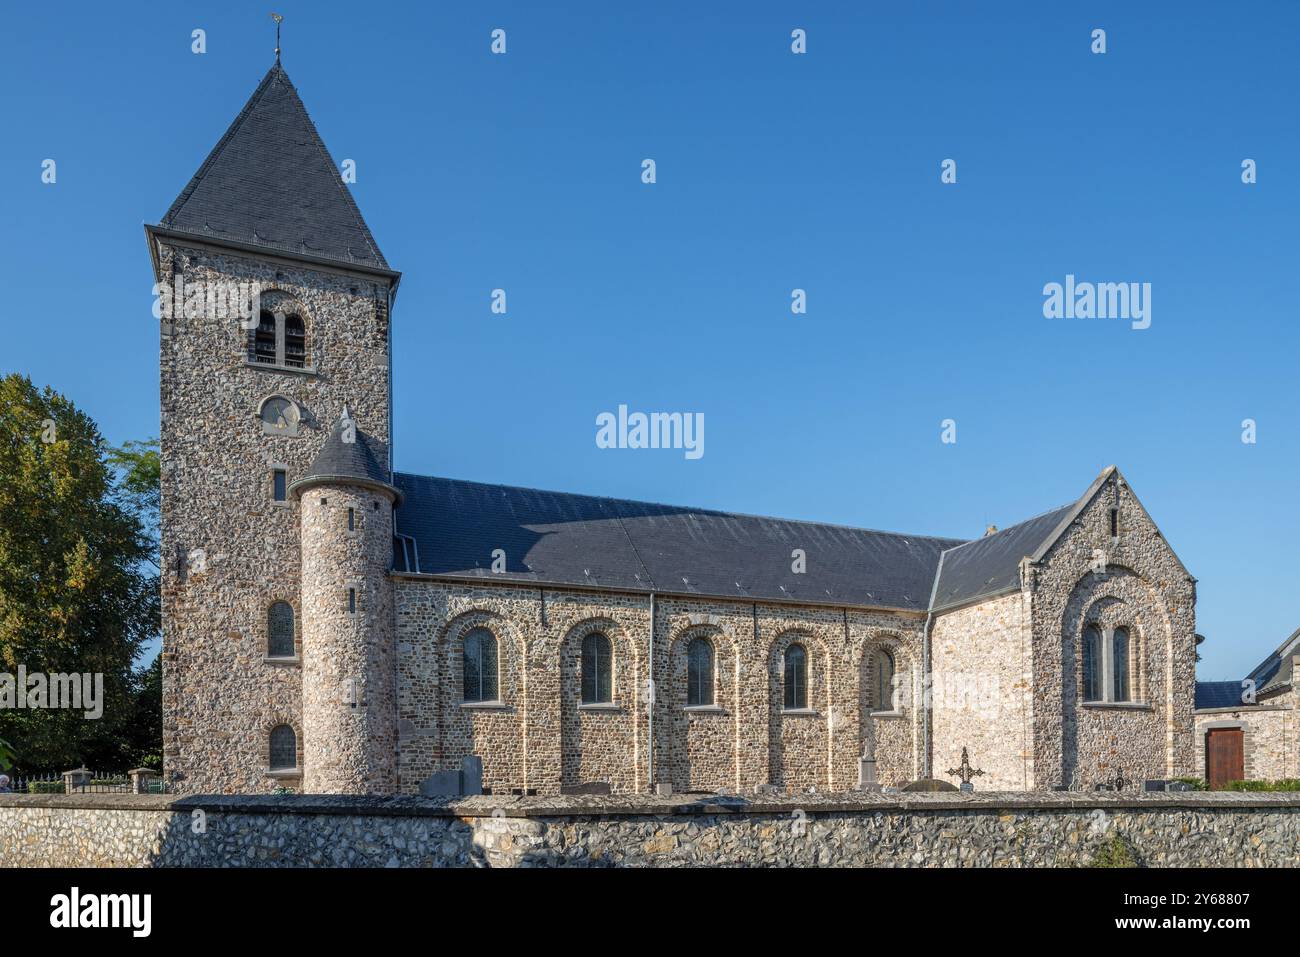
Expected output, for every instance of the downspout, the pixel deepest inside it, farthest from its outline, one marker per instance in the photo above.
(927, 677)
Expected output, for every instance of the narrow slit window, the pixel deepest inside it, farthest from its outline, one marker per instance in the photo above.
(352, 520)
(279, 485)
(1114, 523)
(352, 601)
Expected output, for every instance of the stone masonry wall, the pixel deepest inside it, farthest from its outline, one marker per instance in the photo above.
(981, 692)
(229, 550)
(539, 737)
(917, 830)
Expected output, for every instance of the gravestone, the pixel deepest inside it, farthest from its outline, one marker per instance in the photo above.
(587, 787)
(465, 781)
(928, 784)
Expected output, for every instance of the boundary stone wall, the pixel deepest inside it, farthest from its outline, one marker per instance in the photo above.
(1194, 829)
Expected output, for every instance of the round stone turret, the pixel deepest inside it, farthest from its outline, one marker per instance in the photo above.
(348, 657)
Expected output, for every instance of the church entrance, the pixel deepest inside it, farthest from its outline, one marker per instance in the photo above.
(1224, 756)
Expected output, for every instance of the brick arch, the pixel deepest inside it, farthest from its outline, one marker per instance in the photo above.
(799, 744)
(1096, 742)
(701, 750)
(493, 733)
(599, 742)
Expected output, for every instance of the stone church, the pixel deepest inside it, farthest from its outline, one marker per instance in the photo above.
(333, 625)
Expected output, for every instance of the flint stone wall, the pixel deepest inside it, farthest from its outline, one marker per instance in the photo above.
(1197, 829)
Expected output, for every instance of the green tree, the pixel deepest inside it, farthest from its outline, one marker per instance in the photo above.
(78, 571)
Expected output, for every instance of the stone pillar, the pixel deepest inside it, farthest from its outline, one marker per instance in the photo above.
(141, 778)
(78, 778)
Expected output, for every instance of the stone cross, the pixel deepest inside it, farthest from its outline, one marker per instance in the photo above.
(965, 772)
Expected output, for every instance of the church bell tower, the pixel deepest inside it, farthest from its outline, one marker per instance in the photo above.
(274, 308)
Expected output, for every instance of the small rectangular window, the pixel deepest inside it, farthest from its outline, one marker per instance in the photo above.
(1114, 523)
(352, 601)
(352, 520)
(280, 485)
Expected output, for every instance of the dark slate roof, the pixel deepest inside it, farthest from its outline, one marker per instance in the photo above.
(1219, 694)
(991, 564)
(1276, 671)
(270, 183)
(566, 539)
(338, 459)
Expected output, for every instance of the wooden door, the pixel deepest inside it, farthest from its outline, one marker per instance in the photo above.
(1224, 756)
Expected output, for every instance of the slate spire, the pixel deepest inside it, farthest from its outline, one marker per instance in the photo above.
(271, 183)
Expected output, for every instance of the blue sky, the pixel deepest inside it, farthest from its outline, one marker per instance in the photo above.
(775, 172)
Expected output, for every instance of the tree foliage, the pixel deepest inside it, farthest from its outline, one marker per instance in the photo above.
(78, 572)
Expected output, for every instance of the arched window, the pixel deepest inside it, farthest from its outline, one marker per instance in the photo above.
(796, 677)
(279, 630)
(1092, 663)
(280, 339)
(597, 655)
(884, 680)
(699, 673)
(1119, 664)
(480, 666)
(284, 748)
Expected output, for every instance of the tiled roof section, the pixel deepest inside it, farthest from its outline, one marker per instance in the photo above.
(991, 564)
(339, 459)
(1218, 694)
(565, 539)
(270, 182)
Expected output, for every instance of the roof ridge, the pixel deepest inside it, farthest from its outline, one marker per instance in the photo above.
(684, 508)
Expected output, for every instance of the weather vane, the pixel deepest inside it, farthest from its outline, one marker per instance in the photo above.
(277, 18)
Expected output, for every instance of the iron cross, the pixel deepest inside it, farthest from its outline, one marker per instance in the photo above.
(965, 771)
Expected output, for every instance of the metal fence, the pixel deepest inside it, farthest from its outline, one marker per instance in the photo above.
(97, 782)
